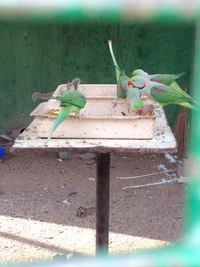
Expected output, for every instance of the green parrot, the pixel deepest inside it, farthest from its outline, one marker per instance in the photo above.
(123, 81)
(71, 101)
(125, 88)
(167, 94)
(166, 79)
(134, 100)
(134, 94)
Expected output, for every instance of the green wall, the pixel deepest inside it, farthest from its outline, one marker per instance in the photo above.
(38, 57)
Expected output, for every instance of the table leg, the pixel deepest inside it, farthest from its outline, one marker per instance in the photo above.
(102, 202)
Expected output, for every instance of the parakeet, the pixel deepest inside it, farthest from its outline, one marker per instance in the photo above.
(123, 81)
(167, 94)
(134, 94)
(71, 101)
(134, 100)
(166, 79)
(125, 86)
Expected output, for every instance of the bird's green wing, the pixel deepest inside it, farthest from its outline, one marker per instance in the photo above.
(168, 94)
(166, 79)
(73, 97)
(177, 88)
(122, 86)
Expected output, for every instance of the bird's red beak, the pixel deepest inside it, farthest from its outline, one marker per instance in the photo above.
(130, 83)
(139, 111)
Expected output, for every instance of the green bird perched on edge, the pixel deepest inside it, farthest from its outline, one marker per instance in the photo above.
(125, 86)
(167, 94)
(166, 79)
(71, 101)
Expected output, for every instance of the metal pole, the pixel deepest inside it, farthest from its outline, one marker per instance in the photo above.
(102, 202)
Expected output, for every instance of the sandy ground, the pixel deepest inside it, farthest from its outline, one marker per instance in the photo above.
(38, 218)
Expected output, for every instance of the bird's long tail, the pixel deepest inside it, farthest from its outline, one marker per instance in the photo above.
(167, 77)
(177, 76)
(63, 114)
(196, 104)
(190, 106)
(117, 69)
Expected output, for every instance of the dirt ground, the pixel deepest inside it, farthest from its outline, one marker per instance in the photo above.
(38, 217)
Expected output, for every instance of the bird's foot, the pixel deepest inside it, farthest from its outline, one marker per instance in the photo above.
(114, 103)
(77, 116)
(157, 106)
(46, 142)
(157, 110)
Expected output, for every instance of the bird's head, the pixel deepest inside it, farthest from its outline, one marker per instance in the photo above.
(138, 81)
(130, 83)
(140, 72)
(76, 80)
(137, 105)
